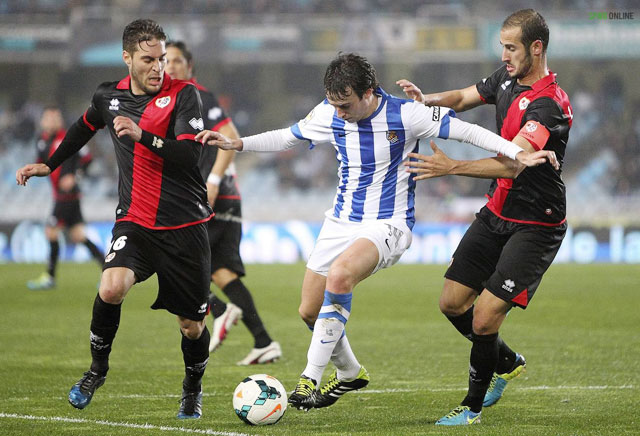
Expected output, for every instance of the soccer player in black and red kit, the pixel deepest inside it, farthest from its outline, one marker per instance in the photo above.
(66, 214)
(162, 214)
(225, 228)
(501, 259)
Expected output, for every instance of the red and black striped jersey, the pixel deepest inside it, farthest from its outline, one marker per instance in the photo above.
(46, 145)
(154, 192)
(214, 118)
(537, 195)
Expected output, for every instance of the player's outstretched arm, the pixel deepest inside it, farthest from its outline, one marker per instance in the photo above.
(31, 170)
(439, 164)
(217, 139)
(458, 99)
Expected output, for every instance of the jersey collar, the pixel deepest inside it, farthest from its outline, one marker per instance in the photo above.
(544, 82)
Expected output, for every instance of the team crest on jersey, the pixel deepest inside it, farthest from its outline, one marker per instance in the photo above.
(214, 113)
(114, 104)
(524, 103)
(163, 102)
(110, 257)
(392, 136)
(531, 127)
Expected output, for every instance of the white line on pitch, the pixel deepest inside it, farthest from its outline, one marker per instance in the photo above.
(119, 424)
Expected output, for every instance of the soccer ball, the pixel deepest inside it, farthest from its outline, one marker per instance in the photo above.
(260, 400)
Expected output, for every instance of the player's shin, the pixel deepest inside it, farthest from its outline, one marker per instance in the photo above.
(482, 364)
(104, 325)
(345, 361)
(463, 323)
(196, 356)
(327, 331)
(54, 250)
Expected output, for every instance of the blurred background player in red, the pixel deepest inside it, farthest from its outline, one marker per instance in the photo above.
(66, 213)
(225, 228)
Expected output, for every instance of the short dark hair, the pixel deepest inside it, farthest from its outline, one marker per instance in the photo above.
(532, 25)
(183, 49)
(139, 31)
(349, 71)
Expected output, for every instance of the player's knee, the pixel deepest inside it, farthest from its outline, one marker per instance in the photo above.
(450, 306)
(340, 279)
(192, 329)
(112, 292)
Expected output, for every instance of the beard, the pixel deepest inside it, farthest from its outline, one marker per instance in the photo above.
(136, 77)
(527, 63)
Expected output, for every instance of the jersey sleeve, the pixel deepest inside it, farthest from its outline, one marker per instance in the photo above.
(488, 87)
(542, 114)
(92, 117)
(188, 114)
(318, 126)
(429, 121)
(213, 115)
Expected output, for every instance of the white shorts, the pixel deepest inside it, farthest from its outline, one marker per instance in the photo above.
(392, 237)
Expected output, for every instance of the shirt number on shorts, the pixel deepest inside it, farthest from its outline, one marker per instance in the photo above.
(119, 243)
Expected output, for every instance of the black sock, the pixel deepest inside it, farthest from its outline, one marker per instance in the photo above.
(196, 355)
(54, 251)
(506, 358)
(463, 323)
(217, 305)
(482, 364)
(104, 325)
(240, 296)
(95, 251)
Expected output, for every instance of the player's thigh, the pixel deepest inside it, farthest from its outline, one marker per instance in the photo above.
(355, 264)
(476, 256)
(68, 213)
(130, 249)
(182, 260)
(224, 242)
(489, 313)
(312, 295)
(524, 260)
(77, 232)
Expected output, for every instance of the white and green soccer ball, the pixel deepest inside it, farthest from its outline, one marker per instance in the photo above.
(260, 399)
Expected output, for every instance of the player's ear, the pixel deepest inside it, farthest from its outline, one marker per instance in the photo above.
(126, 57)
(536, 48)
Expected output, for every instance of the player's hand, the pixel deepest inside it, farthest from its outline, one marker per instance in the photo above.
(217, 139)
(212, 193)
(31, 170)
(411, 90)
(536, 158)
(428, 167)
(125, 126)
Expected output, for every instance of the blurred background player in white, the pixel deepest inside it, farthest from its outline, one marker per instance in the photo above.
(369, 226)
(225, 228)
(502, 257)
(66, 214)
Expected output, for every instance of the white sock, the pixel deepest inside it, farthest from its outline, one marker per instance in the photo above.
(345, 361)
(326, 334)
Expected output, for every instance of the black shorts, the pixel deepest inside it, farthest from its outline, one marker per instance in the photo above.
(65, 214)
(225, 232)
(504, 257)
(179, 257)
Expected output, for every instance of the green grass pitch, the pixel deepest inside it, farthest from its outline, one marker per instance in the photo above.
(581, 338)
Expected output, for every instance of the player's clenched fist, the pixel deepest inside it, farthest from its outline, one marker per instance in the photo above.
(126, 126)
(31, 170)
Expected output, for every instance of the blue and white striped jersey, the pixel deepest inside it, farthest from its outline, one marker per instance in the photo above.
(373, 183)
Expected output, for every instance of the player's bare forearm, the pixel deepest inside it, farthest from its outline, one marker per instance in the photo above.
(459, 100)
(31, 170)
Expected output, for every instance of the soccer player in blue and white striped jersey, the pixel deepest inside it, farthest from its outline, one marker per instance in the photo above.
(369, 225)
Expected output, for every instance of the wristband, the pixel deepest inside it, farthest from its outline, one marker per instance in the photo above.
(214, 179)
